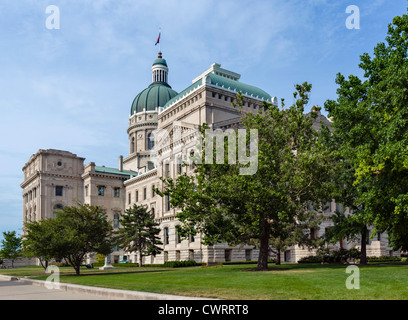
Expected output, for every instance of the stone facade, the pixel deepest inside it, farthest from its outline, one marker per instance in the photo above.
(160, 137)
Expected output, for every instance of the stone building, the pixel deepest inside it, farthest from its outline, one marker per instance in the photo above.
(163, 127)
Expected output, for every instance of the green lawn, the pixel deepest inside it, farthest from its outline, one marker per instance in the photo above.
(285, 282)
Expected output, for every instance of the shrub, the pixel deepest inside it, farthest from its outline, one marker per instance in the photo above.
(180, 264)
(324, 255)
(384, 259)
(310, 259)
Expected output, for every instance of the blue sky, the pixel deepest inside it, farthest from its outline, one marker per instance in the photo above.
(72, 88)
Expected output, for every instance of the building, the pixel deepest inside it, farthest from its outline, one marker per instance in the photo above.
(163, 127)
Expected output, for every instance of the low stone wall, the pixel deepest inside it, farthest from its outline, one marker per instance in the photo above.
(24, 262)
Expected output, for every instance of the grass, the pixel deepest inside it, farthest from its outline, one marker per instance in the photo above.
(241, 282)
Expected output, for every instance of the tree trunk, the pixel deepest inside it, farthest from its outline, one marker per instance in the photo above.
(363, 257)
(264, 246)
(278, 256)
(140, 258)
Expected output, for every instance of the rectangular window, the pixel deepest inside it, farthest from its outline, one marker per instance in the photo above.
(86, 191)
(167, 170)
(58, 191)
(179, 165)
(327, 207)
(168, 206)
(313, 234)
(137, 196)
(129, 198)
(101, 191)
(116, 192)
(144, 194)
(166, 235)
(153, 192)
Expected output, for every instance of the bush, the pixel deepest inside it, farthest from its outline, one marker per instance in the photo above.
(324, 255)
(310, 259)
(180, 264)
(246, 262)
(384, 259)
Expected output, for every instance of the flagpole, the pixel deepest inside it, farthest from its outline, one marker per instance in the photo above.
(160, 39)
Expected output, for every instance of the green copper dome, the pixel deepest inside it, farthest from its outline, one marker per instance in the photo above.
(160, 61)
(156, 95)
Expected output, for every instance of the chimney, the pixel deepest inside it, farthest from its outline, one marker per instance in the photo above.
(120, 163)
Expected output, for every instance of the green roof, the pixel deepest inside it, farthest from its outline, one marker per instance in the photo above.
(223, 83)
(237, 86)
(183, 93)
(156, 95)
(160, 61)
(103, 169)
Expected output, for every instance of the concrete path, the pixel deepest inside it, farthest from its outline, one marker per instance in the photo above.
(13, 288)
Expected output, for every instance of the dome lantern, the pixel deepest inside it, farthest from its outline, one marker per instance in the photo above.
(159, 91)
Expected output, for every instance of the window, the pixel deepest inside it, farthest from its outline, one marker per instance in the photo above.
(129, 198)
(58, 191)
(150, 165)
(248, 254)
(132, 146)
(150, 141)
(228, 254)
(57, 208)
(166, 235)
(153, 192)
(179, 165)
(137, 196)
(168, 205)
(339, 207)
(144, 194)
(101, 191)
(368, 240)
(116, 221)
(116, 192)
(313, 234)
(167, 170)
(86, 191)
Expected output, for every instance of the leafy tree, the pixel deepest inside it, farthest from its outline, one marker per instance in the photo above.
(76, 231)
(10, 247)
(82, 229)
(139, 232)
(293, 170)
(371, 121)
(39, 239)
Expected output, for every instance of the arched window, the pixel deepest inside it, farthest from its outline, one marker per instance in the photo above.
(150, 141)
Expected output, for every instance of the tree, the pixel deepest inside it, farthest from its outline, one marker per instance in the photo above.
(39, 239)
(371, 120)
(293, 170)
(139, 232)
(76, 231)
(10, 246)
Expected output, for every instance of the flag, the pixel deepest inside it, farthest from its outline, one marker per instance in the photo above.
(158, 39)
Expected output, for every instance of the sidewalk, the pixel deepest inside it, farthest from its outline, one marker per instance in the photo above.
(14, 288)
